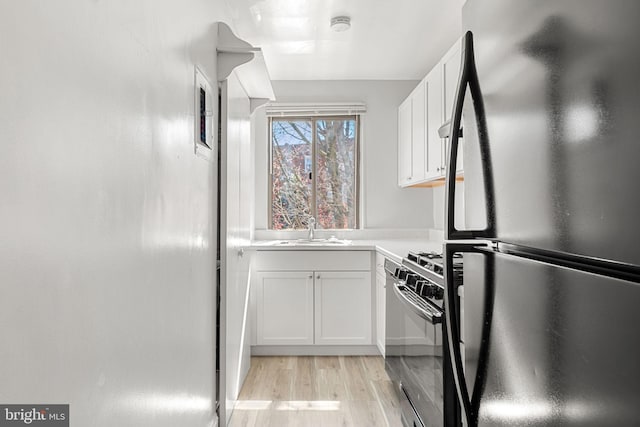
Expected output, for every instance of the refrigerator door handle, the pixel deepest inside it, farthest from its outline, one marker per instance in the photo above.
(468, 78)
(468, 408)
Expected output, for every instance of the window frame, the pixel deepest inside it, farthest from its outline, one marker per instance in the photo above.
(313, 119)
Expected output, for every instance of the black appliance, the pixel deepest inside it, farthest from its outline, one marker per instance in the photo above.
(416, 352)
(549, 101)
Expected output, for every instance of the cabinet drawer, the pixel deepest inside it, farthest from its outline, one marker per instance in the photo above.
(312, 260)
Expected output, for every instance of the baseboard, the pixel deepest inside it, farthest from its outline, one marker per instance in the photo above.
(315, 350)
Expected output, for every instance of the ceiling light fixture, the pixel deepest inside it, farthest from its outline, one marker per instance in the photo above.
(340, 23)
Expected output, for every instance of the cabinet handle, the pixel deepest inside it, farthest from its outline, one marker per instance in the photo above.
(311, 276)
(318, 276)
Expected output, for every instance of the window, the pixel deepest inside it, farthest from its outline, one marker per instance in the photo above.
(314, 172)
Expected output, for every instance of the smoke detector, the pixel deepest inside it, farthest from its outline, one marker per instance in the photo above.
(340, 23)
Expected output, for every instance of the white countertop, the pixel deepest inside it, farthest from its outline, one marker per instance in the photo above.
(395, 249)
(398, 249)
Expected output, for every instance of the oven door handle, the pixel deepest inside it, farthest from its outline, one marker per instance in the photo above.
(431, 314)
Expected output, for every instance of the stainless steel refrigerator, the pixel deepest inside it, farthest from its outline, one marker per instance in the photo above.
(545, 329)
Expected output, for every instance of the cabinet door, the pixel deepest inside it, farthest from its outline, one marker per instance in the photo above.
(435, 118)
(451, 74)
(284, 306)
(404, 143)
(380, 301)
(380, 311)
(343, 308)
(418, 131)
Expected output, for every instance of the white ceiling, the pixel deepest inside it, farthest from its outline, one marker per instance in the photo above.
(388, 39)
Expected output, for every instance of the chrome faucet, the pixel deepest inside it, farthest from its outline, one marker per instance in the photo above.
(312, 227)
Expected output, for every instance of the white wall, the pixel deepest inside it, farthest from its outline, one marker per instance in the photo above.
(385, 205)
(107, 219)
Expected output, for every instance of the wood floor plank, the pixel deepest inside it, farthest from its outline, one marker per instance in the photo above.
(327, 362)
(244, 418)
(374, 368)
(277, 384)
(279, 417)
(279, 362)
(344, 391)
(304, 379)
(263, 418)
(386, 396)
(338, 418)
(366, 414)
(357, 383)
(331, 385)
(254, 379)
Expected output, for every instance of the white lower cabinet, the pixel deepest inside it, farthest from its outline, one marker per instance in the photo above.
(342, 307)
(381, 279)
(329, 303)
(321, 307)
(380, 311)
(284, 306)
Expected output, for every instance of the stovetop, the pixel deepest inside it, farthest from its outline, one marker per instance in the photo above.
(421, 276)
(432, 261)
(421, 273)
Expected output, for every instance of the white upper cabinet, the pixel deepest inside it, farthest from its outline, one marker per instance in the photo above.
(412, 116)
(418, 131)
(404, 143)
(422, 154)
(435, 118)
(450, 66)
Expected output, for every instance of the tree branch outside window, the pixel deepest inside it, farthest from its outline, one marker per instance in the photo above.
(314, 172)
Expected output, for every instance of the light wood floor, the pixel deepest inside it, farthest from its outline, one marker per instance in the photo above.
(323, 391)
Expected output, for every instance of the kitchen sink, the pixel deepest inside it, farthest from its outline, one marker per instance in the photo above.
(313, 242)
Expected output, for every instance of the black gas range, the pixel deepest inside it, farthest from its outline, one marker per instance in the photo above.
(425, 274)
(431, 262)
(416, 352)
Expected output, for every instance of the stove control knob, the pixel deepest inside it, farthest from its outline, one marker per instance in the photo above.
(439, 293)
(427, 290)
(421, 287)
(402, 275)
(412, 279)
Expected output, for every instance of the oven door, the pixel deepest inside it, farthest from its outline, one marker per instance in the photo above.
(414, 359)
